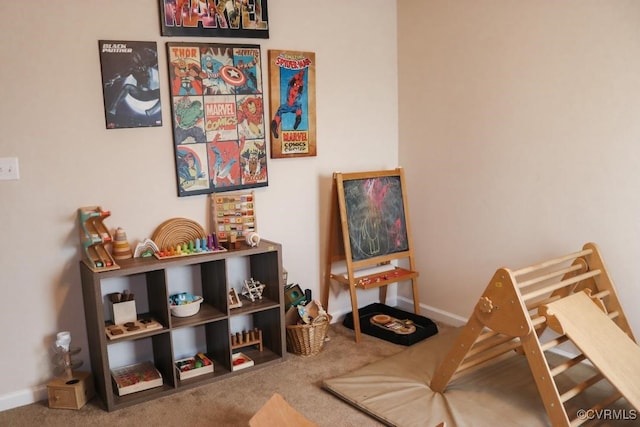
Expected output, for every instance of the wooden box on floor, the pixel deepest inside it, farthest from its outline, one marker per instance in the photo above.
(71, 393)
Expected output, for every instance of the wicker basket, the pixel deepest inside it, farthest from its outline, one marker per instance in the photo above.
(307, 340)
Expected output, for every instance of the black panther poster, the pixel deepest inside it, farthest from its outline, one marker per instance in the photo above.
(130, 84)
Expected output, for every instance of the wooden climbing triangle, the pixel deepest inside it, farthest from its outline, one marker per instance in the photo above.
(573, 298)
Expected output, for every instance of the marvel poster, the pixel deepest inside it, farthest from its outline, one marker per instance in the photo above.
(218, 117)
(130, 84)
(215, 18)
(292, 84)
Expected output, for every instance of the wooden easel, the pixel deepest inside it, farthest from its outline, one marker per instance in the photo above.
(365, 266)
(517, 307)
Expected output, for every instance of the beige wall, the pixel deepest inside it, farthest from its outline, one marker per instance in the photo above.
(53, 121)
(517, 126)
(520, 133)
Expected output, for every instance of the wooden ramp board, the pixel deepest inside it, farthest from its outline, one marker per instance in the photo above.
(610, 350)
(277, 412)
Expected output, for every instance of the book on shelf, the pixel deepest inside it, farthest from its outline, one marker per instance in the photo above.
(132, 378)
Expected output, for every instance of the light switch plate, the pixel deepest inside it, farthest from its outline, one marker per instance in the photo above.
(9, 168)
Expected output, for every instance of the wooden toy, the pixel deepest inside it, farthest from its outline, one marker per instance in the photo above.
(71, 393)
(121, 248)
(194, 366)
(177, 237)
(71, 389)
(93, 238)
(234, 301)
(176, 231)
(137, 377)
(516, 308)
(397, 326)
(252, 289)
(146, 248)
(233, 216)
(140, 326)
(240, 361)
(246, 339)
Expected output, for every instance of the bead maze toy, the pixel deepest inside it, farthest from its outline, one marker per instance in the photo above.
(571, 297)
(94, 235)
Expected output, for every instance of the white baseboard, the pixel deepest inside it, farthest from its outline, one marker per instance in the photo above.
(407, 305)
(22, 398)
(433, 313)
(447, 318)
(27, 397)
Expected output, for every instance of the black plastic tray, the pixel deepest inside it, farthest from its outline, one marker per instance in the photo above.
(425, 327)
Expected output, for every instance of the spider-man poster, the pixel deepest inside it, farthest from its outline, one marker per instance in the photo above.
(292, 84)
(218, 111)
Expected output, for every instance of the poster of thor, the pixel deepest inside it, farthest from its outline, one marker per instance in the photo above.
(292, 121)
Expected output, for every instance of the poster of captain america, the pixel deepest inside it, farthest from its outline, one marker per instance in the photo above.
(292, 123)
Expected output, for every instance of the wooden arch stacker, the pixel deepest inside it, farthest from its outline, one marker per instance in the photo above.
(574, 296)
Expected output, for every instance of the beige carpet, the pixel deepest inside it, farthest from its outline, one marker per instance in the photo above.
(396, 390)
(233, 401)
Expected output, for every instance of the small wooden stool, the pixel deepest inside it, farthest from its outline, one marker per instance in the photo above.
(71, 393)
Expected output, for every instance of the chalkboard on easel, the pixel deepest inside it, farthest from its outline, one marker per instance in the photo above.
(369, 228)
(373, 215)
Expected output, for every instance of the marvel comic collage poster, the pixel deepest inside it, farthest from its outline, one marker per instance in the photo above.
(218, 117)
(130, 83)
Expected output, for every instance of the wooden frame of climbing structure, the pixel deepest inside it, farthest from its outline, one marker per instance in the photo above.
(516, 308)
